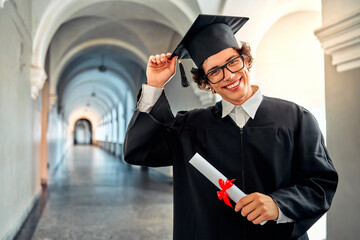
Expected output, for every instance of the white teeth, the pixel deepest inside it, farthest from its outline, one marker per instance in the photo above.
(233, 85)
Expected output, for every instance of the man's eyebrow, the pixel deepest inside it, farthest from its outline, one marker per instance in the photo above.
(230, 58)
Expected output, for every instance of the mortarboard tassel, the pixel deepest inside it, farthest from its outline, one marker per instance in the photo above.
(184, 81)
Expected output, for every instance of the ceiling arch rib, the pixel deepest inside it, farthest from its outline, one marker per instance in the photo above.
(89, 81)
(87, 89)
(134, 38)
(131, 53)
(78, 32)
(86, 93)
(120, 72)
(61, 11)
(80, 102)
(118, 77)
(122, 32)
(87, 100)
(95, 109)
(80, 114)
(123, 48)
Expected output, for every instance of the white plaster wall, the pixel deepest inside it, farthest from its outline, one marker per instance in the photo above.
(210, 7)
(343, 134)
(19, 119)
(289, 61)
(334, 10)
(263, 14)
(343, 117)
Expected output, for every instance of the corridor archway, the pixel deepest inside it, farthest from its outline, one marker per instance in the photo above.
(83, 132)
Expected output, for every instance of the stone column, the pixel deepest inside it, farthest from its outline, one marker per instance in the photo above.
(340, 38)
(44, 128)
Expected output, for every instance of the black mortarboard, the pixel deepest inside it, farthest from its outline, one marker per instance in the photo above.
(208, 35)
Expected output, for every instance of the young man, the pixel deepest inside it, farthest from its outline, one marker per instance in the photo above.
(273, 148)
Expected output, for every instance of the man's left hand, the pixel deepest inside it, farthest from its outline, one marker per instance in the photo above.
(257, 207)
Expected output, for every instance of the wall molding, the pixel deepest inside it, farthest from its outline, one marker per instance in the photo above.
(38, 78)
(341, 40)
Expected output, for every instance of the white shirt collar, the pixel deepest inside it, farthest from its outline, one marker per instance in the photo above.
(250, 106)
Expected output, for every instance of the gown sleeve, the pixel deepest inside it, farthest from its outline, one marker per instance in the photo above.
(149, 140)
(314, 178)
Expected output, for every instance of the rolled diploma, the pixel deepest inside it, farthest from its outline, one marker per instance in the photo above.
(214, 175)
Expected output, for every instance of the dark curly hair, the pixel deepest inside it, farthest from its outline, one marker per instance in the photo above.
(198, 74)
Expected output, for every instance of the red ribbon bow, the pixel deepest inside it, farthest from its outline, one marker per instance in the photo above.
(222, 195)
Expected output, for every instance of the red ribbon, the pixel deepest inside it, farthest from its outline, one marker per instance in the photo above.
(222, 195)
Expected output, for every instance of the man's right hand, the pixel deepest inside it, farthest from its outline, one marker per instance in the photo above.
(160, 69)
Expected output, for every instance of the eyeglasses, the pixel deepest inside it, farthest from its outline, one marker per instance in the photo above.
(234, 65)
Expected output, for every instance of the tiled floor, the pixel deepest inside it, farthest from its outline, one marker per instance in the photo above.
(94, 195)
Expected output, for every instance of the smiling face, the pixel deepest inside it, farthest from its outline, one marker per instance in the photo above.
(235, 87)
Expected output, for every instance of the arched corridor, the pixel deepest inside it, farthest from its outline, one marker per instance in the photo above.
(70, 74)
(95, 196)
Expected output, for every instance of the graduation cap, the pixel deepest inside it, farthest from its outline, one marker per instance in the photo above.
(208, 35)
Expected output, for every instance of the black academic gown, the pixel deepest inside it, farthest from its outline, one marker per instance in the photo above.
(280, 152)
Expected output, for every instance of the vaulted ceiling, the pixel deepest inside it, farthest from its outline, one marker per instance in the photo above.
(94, 52)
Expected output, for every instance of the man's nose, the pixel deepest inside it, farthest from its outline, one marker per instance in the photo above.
(228, 75)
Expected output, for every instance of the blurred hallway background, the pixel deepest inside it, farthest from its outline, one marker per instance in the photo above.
(95, 196)
(70, 71)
